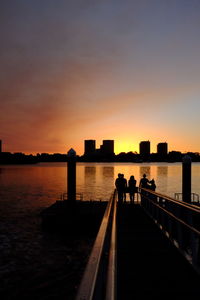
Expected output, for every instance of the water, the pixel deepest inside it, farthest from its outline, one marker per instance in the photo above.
(25, 250)
(96, 181)
(30, 187)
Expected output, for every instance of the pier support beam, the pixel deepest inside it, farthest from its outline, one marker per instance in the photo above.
(186, 179)
(71, 175)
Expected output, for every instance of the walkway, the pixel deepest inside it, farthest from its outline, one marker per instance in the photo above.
(149, 266)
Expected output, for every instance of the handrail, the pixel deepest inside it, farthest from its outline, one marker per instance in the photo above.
(193, 195)
(89, 281)
(112, 261)
(64, 196)
(191, 206)
(177, 220)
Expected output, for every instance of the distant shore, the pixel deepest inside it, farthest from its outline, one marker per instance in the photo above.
(21, 158)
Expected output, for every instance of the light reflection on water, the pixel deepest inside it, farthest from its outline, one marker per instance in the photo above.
(99, 178)
(36, 186)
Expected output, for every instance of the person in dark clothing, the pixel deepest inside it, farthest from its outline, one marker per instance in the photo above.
(124, 187)
(132, 188)
(119, 187)
(143, 184)
(152, 185)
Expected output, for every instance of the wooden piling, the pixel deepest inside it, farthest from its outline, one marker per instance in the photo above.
(71, 175)
(186, 179)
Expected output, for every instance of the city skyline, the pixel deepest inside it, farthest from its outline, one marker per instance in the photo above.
(105, 153)
(123, 69)
(108, 147)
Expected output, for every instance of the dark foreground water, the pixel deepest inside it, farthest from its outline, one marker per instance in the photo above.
(39, 265)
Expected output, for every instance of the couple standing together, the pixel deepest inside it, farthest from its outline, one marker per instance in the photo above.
(123, 188)
(147, 184)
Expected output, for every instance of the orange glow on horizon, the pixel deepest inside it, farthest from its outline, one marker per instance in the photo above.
(125, 146)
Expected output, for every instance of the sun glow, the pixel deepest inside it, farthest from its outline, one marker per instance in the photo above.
(125, 146)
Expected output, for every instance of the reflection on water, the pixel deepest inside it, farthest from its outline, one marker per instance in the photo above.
(89, 171)
(108, 178)
(90, 181)
(145, 170)
(40, 185)
(162, 170)
(162, 179)
(108, 172)
(90, 176)
(98, 182)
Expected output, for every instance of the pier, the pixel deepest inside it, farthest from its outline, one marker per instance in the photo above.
(147, 249)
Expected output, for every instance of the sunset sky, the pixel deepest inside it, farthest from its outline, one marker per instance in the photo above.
(126, 70)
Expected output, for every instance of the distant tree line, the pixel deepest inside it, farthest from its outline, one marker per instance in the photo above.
(21, 158)
(173, 156)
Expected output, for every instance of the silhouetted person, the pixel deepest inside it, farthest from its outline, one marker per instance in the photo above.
(152, 185)
(132, 188)
(119, 186)
(143, 184)
(124, 187)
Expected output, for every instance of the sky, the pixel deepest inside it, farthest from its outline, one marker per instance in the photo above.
(126, 70)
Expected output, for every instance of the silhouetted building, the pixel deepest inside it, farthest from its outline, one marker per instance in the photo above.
(162, 149)
(0, 146)
(145, 149)
(107, 148)
(90, 147)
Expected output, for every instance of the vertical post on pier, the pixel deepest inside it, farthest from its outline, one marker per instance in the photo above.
(71, 175)
(186, 179)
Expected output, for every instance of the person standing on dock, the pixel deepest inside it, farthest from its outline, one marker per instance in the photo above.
(132, 188)
(152, 185)
(143, 184)
(124, 184)
(119, 187)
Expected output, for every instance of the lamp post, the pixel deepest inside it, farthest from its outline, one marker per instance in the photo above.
(71, 175)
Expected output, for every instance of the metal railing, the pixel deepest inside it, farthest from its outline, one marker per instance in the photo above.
(194, 197)
(64, 196)
(99, 278)
(180, 222)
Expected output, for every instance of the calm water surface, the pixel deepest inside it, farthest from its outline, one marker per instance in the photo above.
(36, 186)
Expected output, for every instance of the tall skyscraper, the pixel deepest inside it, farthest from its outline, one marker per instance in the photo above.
(107, 147)
(162, 149)
(145, 148)
(90, 147)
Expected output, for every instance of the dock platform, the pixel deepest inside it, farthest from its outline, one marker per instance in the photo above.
(149, 266)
